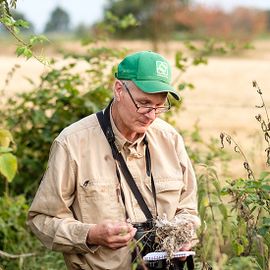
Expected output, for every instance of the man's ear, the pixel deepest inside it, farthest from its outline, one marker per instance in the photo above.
(118, 90)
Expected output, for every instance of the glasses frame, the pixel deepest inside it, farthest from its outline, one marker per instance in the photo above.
(158, 110)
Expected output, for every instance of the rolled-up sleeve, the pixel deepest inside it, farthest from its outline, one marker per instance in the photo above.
(50, 216)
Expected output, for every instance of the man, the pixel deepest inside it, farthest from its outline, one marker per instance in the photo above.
(85, 206)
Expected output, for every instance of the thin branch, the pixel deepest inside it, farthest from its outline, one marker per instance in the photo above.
(21, 41)
(15, 256)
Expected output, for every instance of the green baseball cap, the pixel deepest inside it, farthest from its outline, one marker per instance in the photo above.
(149, 71)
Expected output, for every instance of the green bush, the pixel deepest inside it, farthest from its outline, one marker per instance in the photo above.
(21, 247)
(235, 214)
(63, 97)
(233, 235)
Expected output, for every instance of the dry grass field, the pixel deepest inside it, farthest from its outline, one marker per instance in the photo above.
(224, 99)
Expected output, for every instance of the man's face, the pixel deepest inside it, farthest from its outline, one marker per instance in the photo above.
(133, 120)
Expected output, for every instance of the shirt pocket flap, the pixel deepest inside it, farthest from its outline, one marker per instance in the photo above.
(168, 185)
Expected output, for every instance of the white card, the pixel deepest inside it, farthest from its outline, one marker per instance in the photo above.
(160, 255)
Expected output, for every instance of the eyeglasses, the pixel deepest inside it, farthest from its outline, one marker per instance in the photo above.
(147, 109)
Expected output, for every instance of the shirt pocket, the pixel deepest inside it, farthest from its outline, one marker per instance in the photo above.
(99, 200)
(168, 195)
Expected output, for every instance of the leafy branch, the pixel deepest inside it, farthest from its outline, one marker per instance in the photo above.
(13, 27)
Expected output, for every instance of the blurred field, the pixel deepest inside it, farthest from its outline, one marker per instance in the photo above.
(224, 99)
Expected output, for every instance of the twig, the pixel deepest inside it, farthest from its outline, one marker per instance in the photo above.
(15, 256)
(21, 41)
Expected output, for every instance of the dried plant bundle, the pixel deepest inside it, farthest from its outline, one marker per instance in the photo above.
(172, 235)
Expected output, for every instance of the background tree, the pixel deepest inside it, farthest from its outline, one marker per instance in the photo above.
(58, 22)
(156, 17)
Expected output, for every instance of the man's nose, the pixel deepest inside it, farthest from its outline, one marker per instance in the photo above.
(151, 114)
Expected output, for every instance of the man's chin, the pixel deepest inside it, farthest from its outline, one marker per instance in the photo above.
(142, 129)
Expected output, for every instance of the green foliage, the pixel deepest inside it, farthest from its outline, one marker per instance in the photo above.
(63, 96)
(17, 241)
(8, 162)
(13, 25)
(156, 18)
(236, 215)
(113, 23)
(22, 22)
(5, 6)
(234, 235)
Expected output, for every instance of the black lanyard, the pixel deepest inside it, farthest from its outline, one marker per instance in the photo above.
(105, 123)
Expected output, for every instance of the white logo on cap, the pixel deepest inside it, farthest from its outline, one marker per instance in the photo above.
(162, 69)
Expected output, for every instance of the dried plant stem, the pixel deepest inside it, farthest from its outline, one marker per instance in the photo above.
(237, 149)
(259, 91)
(265, 126)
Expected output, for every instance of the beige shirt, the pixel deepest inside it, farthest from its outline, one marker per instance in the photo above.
(80, 188)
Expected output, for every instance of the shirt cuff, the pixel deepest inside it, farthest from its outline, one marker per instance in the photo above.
(83, 234)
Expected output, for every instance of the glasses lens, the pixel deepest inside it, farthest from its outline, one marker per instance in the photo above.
(144, 110)
(161, 110)
(158, 110)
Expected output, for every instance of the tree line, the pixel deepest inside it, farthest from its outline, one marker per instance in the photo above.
(165, 19)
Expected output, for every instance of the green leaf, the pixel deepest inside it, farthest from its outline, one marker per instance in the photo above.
(28, 53)
(37, 39)
(5, 150)
(128, 21)
(182, 86)
(237, 247)
(264, 175)
(265, 187)
(134, 265)
(8, 166)
(199, 60)
(216, 184)
(25, 51)
(223, 210)
(22, 23)
(16, 30)
(5, 138)
(7, 21)
(266, 221)
(20, 50)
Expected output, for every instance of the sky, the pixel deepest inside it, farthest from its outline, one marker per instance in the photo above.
(89, 11)
(80, 11)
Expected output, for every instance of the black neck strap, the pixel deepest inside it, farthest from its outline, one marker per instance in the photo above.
(105, 123)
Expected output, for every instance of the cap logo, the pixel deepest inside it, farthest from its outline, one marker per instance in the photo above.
(162, 69)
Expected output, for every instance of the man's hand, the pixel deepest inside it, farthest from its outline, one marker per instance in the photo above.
(111, 234)
(185, 247)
